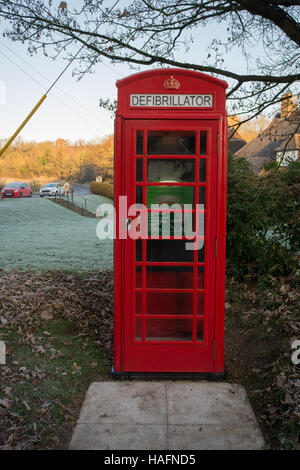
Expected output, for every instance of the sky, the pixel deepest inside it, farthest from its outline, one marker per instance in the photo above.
(71, 111)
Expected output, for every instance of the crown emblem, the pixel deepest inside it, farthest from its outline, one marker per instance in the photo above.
(172, 83)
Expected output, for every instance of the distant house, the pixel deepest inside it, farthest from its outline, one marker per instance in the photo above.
(280, 141)
(289, 150)
(235, 141)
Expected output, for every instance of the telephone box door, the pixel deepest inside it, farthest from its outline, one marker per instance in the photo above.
(169, 287)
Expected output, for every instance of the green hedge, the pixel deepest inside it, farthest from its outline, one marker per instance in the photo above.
(263, 214)
(103, 189)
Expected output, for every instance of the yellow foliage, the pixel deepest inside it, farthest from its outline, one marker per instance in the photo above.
(250, 129)
(103, 189)
(31, 160)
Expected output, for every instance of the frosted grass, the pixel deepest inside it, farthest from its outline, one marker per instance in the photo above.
(39, 234)
(92, 201)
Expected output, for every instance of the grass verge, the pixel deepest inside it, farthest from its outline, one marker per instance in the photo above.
(58, 341)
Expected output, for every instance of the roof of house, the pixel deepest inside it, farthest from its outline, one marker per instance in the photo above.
(264, 147)
(235, 141)
(290, 143)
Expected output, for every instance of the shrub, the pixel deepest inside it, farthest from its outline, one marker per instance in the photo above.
(103, 189)
(263, 230)
(35, 186)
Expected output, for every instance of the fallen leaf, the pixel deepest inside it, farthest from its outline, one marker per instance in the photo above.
(5, 403)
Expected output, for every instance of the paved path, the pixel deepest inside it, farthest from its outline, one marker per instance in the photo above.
(166, 416)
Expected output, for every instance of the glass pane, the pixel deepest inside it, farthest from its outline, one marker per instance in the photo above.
(168, 250)
(171, 143)
(171, 224)
(200, 329)
(203, 142)
(200, 304)
(162, 329)
(138, 329)
(139, 142)
(139, 194)
(171, 170)
(168, 277)
(170, 195)
(138, 303)
(202, 170)
(201, 194)
(167, 303)
(138, 276)
(139, 169)
(138, 250)
(201, 255)
(200, 277)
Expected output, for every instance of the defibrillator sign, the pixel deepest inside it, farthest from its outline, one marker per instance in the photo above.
(170, 101)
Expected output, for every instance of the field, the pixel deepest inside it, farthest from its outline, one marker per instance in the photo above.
(38, 234)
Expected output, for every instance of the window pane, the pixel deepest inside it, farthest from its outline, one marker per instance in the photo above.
(171, 143)
(162, 329)
(138, 276)
(200, 330)
(139, 169)
(138, 303)
(138, 250)
(203, 142)
(168, 250)
(166, 303)
(139, 194)
(138, 329)
(171, 170)
(200, 277)
(170, 195)
(201, 194)
(171, 224)
(164, 277)
(201, 255)
(139, 143)
(202, 170)
(200, 304)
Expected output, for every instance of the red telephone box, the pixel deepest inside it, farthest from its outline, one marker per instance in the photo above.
(170, 148)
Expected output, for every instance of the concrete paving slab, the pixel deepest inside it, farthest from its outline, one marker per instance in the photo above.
(212, 437)
(121, 402)
(222, 404)
(119, 437)
(166, 416)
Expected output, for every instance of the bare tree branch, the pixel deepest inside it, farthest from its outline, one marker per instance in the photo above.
(148, 32)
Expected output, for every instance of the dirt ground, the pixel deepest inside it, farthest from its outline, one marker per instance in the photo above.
(261, 324)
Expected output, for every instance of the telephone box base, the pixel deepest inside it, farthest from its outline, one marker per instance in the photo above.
(211, 376)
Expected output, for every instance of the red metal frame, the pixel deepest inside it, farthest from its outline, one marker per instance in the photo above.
(205, 356)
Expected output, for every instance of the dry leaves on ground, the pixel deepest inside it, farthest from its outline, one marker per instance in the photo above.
(29, 304)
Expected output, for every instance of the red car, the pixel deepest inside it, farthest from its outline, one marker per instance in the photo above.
(16, 190)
